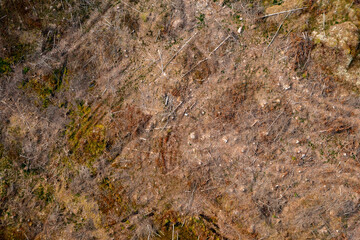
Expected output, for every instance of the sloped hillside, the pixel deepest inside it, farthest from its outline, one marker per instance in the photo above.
(209, 119)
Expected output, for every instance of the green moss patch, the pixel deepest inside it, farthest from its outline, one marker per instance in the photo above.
(86, 134)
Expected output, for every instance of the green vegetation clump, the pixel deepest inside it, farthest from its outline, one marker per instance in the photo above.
(46, 86)
(5, 165)
(17, 55)
(201, 20)
(44, 193)
(5, 66)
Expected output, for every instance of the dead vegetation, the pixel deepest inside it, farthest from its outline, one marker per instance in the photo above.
(300, 51)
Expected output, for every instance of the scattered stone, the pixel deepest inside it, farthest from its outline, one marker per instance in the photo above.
(323, 230)
(178, 23)
(263, 103)
(286, 86)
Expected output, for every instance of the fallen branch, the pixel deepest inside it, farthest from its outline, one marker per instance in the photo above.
(181, 103)
(336, 129)
(269, 128)
(194, 67)
(168, 117)
(207, 58)
(182, 47)
(161, 63)
(220, 44)
(287, 11)
(192, 197)
(277, 32)
(284, 125)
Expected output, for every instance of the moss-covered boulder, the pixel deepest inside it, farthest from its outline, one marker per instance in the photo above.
(344, 36)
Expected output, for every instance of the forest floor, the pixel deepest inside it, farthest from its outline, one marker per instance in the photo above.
(179, 119)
